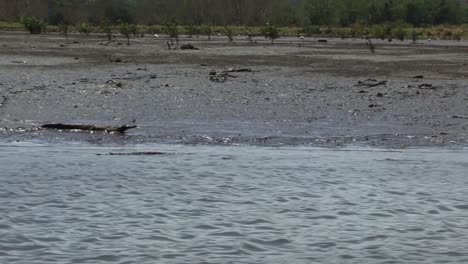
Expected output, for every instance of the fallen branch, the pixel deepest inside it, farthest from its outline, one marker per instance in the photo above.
(120, 129)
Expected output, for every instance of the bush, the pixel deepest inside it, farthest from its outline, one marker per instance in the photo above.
(342, 33)
(415, 35)
(311, 30)
(358, 31)
(270, 32)
(378, 32)
(64, 29)
(208, 30)
(125, 30)
(458, 35)
(229, 33)
(191, 30)
(84, 28)
(155, 29)
(33, 25)
(134, 30)
(399, 33)
(172, 30)
(107, 28)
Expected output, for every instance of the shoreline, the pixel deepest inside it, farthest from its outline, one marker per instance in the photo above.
(298, 93)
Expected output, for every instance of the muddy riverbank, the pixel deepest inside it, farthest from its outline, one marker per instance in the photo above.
(298, 91)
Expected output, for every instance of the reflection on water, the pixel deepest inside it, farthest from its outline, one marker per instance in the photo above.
(237, 204)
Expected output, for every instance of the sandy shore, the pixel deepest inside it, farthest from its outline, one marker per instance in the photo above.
(299, 91)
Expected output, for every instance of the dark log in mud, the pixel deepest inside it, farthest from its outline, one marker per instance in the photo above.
(138, 154)
(120, 129)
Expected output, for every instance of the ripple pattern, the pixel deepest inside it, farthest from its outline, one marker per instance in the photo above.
(65, 204)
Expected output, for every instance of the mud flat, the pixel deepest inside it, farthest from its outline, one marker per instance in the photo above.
(295, 92)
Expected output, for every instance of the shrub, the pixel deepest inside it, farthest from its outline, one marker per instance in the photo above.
(155, 29)
(458, 35)
(84, 28)
(107, 28)
(134, 30)
(125, 30)
(414, 34)
(270, 32)
(311, 30)
(342, 33)
(192, 30)
(208, 30)
(378, 32)
(229, 33)
(172, 30)
(33, 25)
(446, 34)
(399, 33)
(64, 29)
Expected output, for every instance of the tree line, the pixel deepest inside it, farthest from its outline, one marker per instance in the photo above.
(240, 12)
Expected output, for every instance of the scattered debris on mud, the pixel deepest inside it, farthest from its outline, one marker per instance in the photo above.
(222, 76)
(369, 83)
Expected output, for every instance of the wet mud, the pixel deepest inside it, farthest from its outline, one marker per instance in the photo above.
(295, 92)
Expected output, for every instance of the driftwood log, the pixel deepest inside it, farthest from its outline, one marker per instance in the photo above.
(137, 154)
(119, 129)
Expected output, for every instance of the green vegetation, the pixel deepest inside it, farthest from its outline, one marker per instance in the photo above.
(84, 28)
(64, 29)
(207, 30)
(33, 25)
(125, 29)
(229, 33)
(172, 30)
(270, 32)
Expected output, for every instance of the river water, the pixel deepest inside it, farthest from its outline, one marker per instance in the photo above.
(73, 203)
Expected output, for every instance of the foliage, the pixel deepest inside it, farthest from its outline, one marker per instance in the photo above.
(33, 25)
(270, 32)
(311, 30)
(125, 29)
(229, 33)
(64, 29)
(107, 28)
(191, 30)
(399, 33)
(84, 28)
(172, 30)
(207, 30)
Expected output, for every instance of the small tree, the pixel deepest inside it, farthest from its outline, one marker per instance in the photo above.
(229, 33)
(206, 29)
(172, 30)
(64, 29)
(415, 35)
(84, 28)
(126, 31)
(399, 33)
(270, 32)
(107, 28)
(134, 30)
(191, 30)
(33, 25)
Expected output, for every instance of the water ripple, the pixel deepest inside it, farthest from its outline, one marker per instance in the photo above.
(59, 204)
